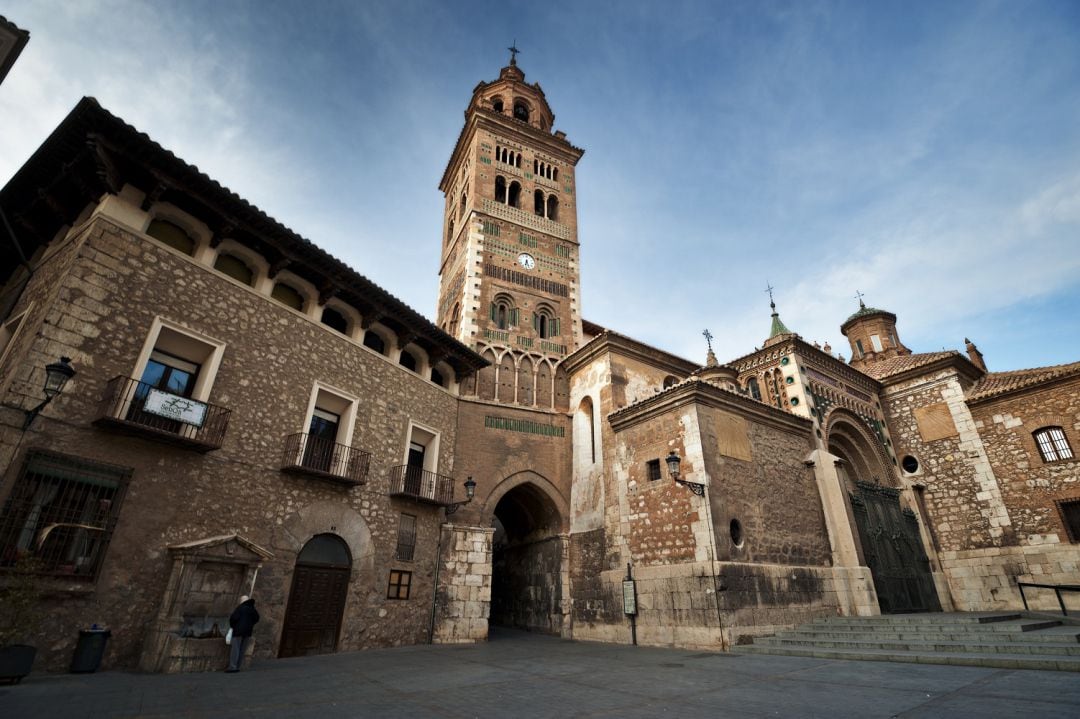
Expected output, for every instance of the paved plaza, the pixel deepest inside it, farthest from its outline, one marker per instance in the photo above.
(523, 675)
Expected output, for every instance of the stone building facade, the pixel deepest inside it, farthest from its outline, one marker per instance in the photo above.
(250, 415)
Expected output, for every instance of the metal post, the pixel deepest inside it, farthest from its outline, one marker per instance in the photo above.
(1057, 591)
(1023, 596)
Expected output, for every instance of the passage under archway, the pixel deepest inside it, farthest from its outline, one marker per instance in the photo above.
(527, 565)
(320, 586)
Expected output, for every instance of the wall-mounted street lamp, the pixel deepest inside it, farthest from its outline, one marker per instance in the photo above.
(470, 490)
(673, 460)
(57, 375)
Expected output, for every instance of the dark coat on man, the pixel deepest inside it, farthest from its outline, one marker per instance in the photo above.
(243, 619)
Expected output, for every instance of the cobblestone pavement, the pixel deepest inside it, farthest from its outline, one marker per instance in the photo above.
(523, 675)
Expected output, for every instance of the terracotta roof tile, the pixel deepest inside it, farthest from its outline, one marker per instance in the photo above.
(996, 383)
(895, 365)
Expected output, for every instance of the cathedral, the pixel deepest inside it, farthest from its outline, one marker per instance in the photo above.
(197, 403)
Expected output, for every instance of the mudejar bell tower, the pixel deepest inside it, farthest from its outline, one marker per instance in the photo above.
(509, 275)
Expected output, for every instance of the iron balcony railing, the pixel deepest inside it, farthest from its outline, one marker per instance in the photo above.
(421, 485)
(318, 457)
(139, 408)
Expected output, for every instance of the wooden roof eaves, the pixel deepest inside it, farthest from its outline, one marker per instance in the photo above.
(89, 125)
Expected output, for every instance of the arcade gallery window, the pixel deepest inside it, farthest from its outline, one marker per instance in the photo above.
(1052, 443)
(61, 512)
(400, 583)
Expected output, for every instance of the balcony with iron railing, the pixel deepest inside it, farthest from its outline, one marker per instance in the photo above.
(135, 407)
(323, 459)
(421, 485)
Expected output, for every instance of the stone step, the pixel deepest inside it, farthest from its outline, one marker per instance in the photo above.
(924, 645)
(1059, 635)
(1004, 626)
(998, 661)
(926, 618)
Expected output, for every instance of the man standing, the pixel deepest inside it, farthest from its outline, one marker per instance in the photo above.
(242, 622)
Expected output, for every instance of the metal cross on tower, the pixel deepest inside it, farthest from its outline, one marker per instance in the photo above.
(513, 52)
(769, 288)
(859, 296)
(708, 338)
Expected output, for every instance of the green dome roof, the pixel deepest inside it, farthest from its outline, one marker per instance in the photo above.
(865, 311)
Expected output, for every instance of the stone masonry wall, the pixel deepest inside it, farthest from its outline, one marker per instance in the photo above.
(1029, 485)
(962, 498)
(101, 316)
(772, 495)
(464, 594)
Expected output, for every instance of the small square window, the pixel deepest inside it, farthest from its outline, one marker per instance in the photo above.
(1052, 443)
(1070, 515)
(653, 466)
(400, 583)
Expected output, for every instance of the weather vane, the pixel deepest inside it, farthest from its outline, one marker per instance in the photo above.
(708, 338)
(513, 52)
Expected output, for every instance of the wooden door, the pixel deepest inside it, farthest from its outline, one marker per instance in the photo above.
(316, 605)
(893, 550)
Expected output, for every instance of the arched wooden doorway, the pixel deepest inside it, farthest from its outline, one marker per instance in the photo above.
(527, 561)
(317, 599)
(888, 532)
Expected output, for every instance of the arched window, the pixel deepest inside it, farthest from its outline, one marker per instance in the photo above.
(538, 203)
(497, 104)
(584, 435)
(335, 320)
(555, 174)
(455, 316)
(521, 111)
(407, 360)
(171, 234)
(288, 296)
(373, 340)
(500, 189)
(536, 167)
(552, 207)
(234, 267)
(503, 312)
(437, 378)
(517, 160)
(461, 206)
(1052, 443)
(753, 389)
(545, 323)
(513, 195)
(450, 231)
(669, 381)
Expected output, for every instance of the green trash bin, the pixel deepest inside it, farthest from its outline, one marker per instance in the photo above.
(90, 650)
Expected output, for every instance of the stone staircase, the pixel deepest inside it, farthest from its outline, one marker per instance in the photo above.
(1000, 640)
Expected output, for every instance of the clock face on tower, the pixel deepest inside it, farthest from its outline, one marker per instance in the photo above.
(526, 260)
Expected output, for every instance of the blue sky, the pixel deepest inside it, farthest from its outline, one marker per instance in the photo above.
(925, 153)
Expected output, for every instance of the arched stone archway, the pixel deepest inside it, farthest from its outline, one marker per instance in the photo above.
(529, 555)
(888, 533)
(863, 457)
